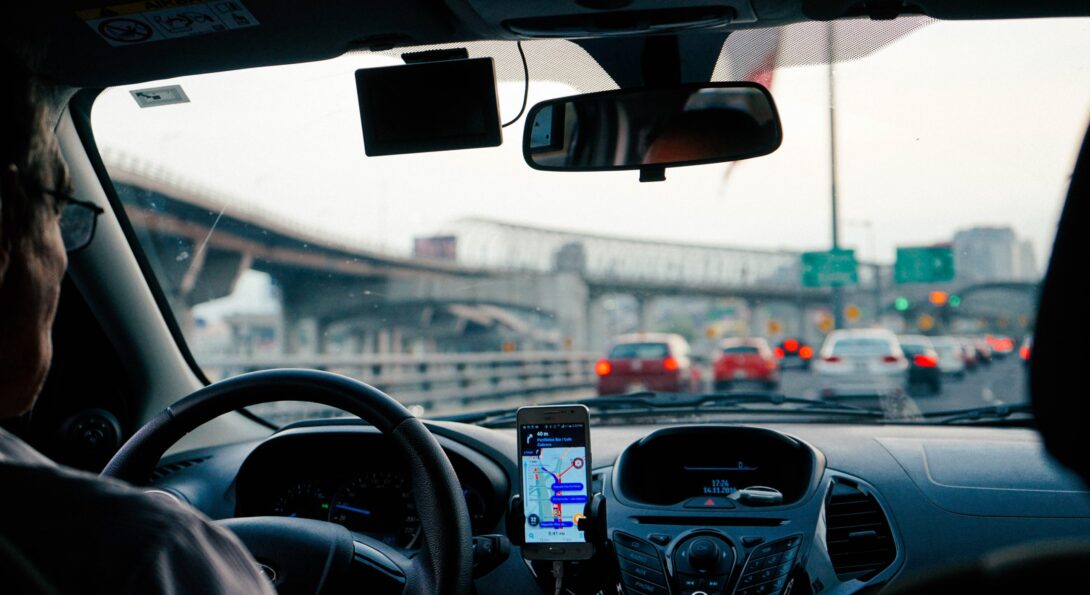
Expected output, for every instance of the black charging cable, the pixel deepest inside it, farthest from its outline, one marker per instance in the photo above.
(525, 88)
(558, 573)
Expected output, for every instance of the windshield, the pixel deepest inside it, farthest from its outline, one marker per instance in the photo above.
(861, 347)
(742, 350)
(639, 351)
(461, 281)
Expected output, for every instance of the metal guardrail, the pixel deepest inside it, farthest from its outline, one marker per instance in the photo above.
(432, 381)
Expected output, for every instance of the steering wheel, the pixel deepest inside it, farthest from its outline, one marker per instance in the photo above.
(307, 556)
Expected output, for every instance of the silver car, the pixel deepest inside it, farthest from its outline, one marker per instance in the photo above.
(951, 356)
(860, 363)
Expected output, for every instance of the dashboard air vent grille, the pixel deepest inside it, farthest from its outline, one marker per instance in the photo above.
(171, 468)
(858, 534)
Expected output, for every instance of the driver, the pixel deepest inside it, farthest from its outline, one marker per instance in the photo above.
(69, 531)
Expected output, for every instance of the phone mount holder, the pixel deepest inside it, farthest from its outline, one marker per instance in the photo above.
(599, 573)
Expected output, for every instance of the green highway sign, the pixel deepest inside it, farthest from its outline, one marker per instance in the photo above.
(924, 265)
(835, 268)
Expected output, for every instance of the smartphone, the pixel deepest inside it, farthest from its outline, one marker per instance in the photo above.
(554, 460)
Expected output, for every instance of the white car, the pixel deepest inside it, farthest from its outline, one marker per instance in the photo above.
(951, 356)
(860, 363)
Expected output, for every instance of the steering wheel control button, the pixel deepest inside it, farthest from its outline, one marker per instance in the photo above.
(633, 543)
(710, 503)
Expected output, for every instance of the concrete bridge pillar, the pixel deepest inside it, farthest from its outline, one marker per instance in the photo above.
(303, 336)
(568, 298)
(645, 306)
(382, 341)
(596, 323)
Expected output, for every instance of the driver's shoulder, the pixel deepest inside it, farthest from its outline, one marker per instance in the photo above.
(77, 492)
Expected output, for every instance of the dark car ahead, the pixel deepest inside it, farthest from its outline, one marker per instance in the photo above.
(794, 353)
(647, 361)
(924, 373)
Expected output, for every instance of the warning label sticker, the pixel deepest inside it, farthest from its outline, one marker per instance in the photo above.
(156, 20)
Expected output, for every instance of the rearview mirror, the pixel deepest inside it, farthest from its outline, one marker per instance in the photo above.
(652, 128)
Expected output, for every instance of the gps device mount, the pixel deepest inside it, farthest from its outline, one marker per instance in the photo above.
(599, 573)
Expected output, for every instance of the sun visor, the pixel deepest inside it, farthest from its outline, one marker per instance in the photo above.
(432, 106)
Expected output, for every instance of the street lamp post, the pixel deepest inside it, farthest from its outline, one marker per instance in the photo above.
(838, 291)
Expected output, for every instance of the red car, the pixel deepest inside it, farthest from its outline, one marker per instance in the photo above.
(745, 360)
(647, 361)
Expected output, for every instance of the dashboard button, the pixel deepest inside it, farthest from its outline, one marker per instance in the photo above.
(691, 582)
(710, 503)
(786, 544)
(639, 557)
(773, 560)
(642, 585)
(634, 543)
(641, 571)
(789, 554)
(765, 550)
(659, 538)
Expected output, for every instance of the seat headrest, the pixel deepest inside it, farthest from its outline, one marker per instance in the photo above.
(1059, 383)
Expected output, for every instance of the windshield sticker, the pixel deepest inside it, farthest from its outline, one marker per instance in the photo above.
(156, 96)
(157, 20)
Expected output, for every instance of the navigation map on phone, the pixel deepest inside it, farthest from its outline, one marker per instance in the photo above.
(554, 481)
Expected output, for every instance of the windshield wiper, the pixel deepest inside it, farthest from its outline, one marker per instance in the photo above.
(649, 402)
(985, 413)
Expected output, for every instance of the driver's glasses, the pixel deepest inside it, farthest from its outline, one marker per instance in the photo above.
(78, 219)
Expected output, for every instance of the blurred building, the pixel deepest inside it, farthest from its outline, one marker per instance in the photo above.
(993, 254)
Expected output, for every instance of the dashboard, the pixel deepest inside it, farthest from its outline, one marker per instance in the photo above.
(750, 510)
(354, 479)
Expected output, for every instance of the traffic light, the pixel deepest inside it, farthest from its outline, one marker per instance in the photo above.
(954, 301)
(938, 298)
(900, 304)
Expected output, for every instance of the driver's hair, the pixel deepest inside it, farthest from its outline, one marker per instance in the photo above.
(25, 143)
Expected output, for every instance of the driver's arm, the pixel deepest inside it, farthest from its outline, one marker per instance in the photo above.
(196, 557)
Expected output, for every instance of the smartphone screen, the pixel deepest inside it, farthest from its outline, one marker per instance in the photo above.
(554, 481)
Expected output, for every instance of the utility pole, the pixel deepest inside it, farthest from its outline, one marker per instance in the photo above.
(838, 291)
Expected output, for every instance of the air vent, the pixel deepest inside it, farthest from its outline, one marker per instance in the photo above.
(597, 482)
(168, 469)
(858, 535)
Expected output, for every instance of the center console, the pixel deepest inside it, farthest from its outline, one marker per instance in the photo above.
(708, 510)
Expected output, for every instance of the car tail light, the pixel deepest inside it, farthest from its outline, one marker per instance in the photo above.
(778, 352)
(925, 361)
(890, 359)
(832, 359)
(603, 368)
(806, 352)
(1024, 352)
(791, 345)
(670, 364)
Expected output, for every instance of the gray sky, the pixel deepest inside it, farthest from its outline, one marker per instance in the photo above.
(955, 125)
